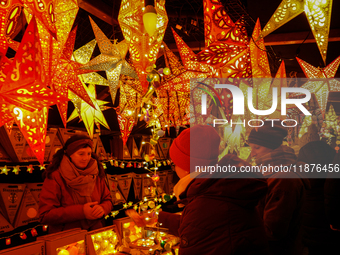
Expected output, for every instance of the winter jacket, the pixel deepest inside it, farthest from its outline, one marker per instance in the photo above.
(220, 217)
(282, 206)
(58, 210)
(317, 234)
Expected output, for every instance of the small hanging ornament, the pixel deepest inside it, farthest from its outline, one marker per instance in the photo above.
(168, 161)
(129, 164)
(139, 165)
(42, 167)
(23, 236)
(122, 165)
(104, 165)
(164, 163)
(155, 177)
(135, 165)
(30, 169)
(151, 204)
(111, 162)
(8, 241)
(34, 232)
(116, 163)
(45, 227)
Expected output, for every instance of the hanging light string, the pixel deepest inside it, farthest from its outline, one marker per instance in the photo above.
(23, 235)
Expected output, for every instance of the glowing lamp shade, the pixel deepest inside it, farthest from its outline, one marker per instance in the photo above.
(150, 20)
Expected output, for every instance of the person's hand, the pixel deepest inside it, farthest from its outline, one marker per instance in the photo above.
(141, 220)
(88, 209)
(98, 211)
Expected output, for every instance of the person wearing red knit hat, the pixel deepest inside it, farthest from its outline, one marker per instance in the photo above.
(74, 193)
(219, 216)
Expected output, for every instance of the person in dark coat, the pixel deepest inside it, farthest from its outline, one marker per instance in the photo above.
(74, 193)
(317, 234)
(282, 207)
(220, 215)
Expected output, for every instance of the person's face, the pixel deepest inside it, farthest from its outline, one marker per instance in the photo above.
(81, 157)
(180, 172)
(258, 150)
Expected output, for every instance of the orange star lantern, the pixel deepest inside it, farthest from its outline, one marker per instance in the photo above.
(143, 47)
(42, 10)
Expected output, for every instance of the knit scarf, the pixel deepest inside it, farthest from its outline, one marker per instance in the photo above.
(80, 181)
(282, 155)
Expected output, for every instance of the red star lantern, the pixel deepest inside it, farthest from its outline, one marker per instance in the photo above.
(126, 124)
(65, 77)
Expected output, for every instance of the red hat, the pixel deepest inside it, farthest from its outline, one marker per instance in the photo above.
(199, 144)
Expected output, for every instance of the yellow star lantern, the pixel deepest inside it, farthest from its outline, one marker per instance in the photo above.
(83, 56)
(9, 13)
(321, 82)
(318, 14)
(112, 60)
(87, 113)
(65, 77)
(143, 47)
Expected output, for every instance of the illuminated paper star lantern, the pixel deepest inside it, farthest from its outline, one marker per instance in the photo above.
(218, 26)
(42, 10)
(321, 82)
(112, 60)
(83, 56)
(259, 59)
(9, 13)
(65, 12)
(318, 14)
(143, 48)
(33, 126)
(226, 42)
(278, 82)
(179, 80)
(187, 55)
(125, 124)
(24, 84)
(65, 77)
(89, 115)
